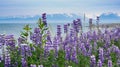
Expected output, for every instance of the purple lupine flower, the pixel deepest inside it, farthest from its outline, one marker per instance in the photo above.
(65, 28)
(79, 22)
(107, 53)
(95, 37)
(65, 42)
(99, 64)
(55, 41)
(37, 30)
(68, 53)
(10, 41)
(90, 50)
(1, 58)
(72, 42)
(83, 49)
(59, 30)
(24, 62)
(87, 45)
(89, 35)
(72, 33)
(7, 60)
(2, 39)
(46, 51)
(109, 63)
(97, 20)
(48, 48)
(36, 37)
(107, 44)
(75, 26)
(95, 46)
(101, 56)
(93, 61)
(21, 40)
(44, 19)
(49, 41)
(115, 49)
(25, 50)
(22, 48)
(9, 37)
(1, 45)
(106, 31)
(60, 42)
(74, 56)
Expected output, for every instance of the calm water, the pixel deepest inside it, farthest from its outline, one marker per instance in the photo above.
(15, 27)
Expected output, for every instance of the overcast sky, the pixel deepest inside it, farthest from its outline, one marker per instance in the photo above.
(36, 7)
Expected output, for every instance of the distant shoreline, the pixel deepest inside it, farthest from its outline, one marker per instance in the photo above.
(108, 25)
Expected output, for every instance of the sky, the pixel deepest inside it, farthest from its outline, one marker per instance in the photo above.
(91, 8)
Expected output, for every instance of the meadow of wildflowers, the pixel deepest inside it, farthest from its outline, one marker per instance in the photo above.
(39, 48)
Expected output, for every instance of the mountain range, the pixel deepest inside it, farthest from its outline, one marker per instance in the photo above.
(105, 17)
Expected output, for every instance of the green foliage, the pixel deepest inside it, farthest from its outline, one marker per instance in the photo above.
(117, 43)
(100, 44)
(26, 32)
(43, 29)
(2, 64)
(27, 28)
(50, 60)
(61, 58)
(84, 61)
(114, 59)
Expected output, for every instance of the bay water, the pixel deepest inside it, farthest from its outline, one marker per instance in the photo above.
(16, 27)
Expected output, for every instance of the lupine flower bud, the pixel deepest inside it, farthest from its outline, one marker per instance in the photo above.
(71, 32)
(90, 50)
(7, 60)
(49, 41)
(44, 19)
(101, 56)
(24, 62)
(109, 63)
(58, 30)
(93, 61)
(21, 40)
(37, 30)
(2, 39)
(75, 26)
(83, 49)
(36, 37)
(68, 53)
(99, 64)
(79, 22)
(65, 28)
(74, 57)
(10, 41)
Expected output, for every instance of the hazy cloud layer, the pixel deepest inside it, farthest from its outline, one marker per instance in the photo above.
(36, 7)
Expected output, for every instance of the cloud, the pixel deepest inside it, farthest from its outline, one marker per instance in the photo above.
(35, 7)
